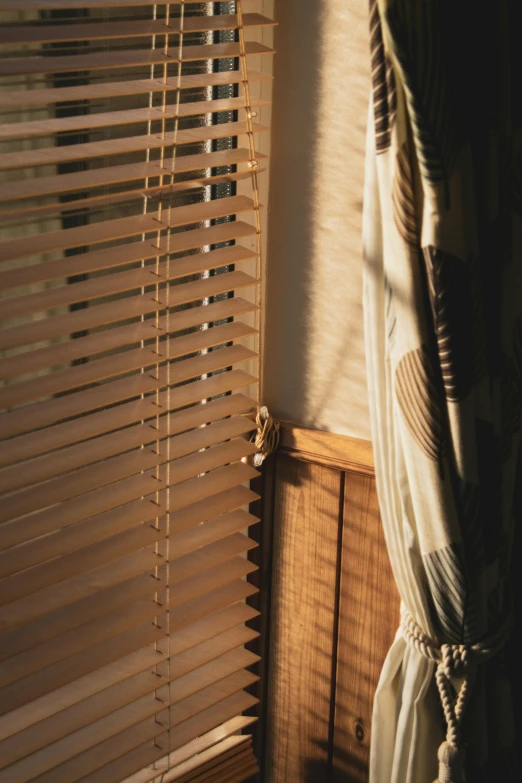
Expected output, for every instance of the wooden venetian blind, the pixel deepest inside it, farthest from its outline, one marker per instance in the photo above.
(129, 266)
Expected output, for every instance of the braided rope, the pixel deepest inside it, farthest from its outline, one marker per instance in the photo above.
(455, 674)
(266, 436)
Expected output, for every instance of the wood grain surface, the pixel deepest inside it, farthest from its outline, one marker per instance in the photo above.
(334, 610)
(368, 620)
(328, 448)
(303, 621)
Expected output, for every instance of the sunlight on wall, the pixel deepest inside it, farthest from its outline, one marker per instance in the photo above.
(315, 369)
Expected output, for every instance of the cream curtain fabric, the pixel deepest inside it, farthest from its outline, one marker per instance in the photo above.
(443, 325)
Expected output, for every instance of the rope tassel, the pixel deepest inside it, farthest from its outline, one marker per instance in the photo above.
(455, 674)
(456, 664)
(451, 763)
(266, 437)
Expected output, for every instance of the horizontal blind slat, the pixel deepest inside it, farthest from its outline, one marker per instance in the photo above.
(193, 748)
(47, 156)
(214, 698)
(84, 663)
(66, 619)
(114, 119)
(119, 337)
(204, 605)
(27, 555)
(83, 739)
(117, 364)
(187, 493)
(47, 588)
(44, 413)
(47, 627)
(231, 748)
(201, 489)
(139, 304)
(131, 87)
(114, 748)
(226, 632)
(230, 772)
(186, 566)
(211, 507)
(188, 186)
(70, 643)
(205, 697)
(121, 255)
(102, 369)
(93, 425)
(116, 283)
(105, 752)
(121, 228)
(191, 729)
(42, 468)
(93, 31)
(25, 66)
(131, 534)
(216, 576)
(53, 585)
(47, 596)
(243, 774)
(202, 641)
(193, 186)
(46, 5)
(113, 175)
(215, 528)
(44, 629)
(210, 674)
(146, 752)
(56, 325)
(223, 591)
(85, 482)
(65, 706)
(45, 760)
(231, 762)
(104, 652)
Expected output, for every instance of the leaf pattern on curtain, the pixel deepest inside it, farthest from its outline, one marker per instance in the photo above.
(451, 594)
(450, 296)
(403, 199)
(383, 83)
(416, 31)
(419, 397)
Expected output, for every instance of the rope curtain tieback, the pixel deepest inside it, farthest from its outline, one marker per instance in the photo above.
(266, 437)
(456, 670)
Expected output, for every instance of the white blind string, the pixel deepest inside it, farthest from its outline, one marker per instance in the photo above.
(267, 436)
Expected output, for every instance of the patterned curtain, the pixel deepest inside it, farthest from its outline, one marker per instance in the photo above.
(443, 325)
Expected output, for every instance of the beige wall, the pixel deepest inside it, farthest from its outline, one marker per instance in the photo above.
(314, 373)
